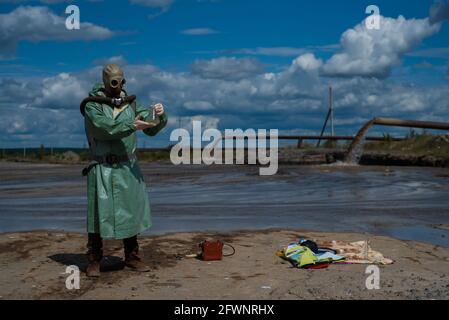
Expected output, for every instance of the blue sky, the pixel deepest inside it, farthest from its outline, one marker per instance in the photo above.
(232, 64)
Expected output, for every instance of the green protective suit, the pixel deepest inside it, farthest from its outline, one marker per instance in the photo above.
(118, 203)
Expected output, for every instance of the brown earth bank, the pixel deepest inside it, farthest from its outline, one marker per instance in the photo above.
(289, 156)
(33, 266)
(323, 156)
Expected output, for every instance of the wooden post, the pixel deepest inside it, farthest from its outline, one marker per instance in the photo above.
(331, 108)
(329, 116)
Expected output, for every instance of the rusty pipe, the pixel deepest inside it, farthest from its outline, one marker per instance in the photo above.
(313, 138)
(335, 138)
(354, 153)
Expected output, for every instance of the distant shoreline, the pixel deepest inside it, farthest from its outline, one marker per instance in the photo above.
(423, 150)
(293, 157)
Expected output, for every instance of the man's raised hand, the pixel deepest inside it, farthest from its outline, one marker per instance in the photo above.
(159, 108)
(141, 125)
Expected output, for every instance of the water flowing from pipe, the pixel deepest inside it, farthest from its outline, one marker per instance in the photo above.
(355, 150)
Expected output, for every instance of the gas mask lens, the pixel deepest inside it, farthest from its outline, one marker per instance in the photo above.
(115, 83)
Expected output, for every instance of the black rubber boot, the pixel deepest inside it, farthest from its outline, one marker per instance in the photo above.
(133, 259)
(94, 254)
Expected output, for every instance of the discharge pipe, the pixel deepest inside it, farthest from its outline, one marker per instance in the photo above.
(355, 150)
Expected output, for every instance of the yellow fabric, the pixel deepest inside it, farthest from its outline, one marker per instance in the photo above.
(307, 257)
(301, 255)
(117, 110)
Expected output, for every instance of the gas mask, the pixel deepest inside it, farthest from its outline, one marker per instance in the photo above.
(113, 80)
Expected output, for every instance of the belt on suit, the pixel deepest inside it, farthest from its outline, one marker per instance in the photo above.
(109, 159)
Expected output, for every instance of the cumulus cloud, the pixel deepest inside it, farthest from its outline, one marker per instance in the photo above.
(61, 91)
(230, 92)
(227, 68)
(230, 103)
(16, 91)
(292, 98)
(374, 97)
(40, 24)
(35, 124)
(373, 53)
(307, 62)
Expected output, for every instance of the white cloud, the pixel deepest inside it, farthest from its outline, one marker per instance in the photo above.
(269, 51)
(40, 24)
(227, 68)
(199, 31)
(373, 53)
(47, 108)
(272, 51)
(229, 92)
(59, 92)
(206, 122)
(348, 99)
(282, 51)
(36, 124)
(198, 105)
(308, 62)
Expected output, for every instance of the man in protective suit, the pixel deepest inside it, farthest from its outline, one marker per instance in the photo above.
(118, 204)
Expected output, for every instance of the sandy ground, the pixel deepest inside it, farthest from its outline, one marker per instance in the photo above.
(33, 266)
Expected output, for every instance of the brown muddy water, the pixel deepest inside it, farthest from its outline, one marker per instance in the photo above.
(403, 202)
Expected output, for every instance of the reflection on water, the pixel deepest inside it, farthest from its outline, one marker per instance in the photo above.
(402, 202)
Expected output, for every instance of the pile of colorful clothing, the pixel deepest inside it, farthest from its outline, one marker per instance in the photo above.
(308, 255)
